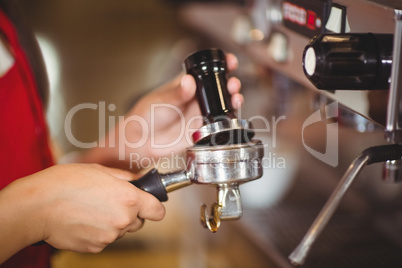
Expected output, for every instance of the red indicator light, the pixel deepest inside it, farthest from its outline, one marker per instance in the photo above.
(311, 18)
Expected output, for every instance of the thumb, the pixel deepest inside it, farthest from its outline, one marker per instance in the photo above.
(188, 87)
(179, 91)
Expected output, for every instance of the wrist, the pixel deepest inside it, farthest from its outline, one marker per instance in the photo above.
(20, 219)
(30, 203)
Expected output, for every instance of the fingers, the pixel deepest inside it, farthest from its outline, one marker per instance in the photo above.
(136, 225)
(188, 84)
(234, 85)
(148, 206)
(231, 61)
(237, 101)
(188, 87)
(178, 92)
(151, 209)
(89, 206)
(186, 91)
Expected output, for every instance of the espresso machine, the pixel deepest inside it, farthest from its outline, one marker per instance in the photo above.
(342, 55)
(352, 46)
(342, 52)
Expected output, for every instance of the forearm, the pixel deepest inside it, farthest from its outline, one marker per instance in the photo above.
(19, 210)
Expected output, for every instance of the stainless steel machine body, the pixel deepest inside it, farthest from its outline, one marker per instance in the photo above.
(344, 67)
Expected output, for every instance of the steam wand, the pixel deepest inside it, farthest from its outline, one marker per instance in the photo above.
(369, 156)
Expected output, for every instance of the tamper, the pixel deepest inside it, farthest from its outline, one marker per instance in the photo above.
(224, 154)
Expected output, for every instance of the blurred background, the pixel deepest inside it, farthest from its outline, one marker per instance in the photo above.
(110, 51)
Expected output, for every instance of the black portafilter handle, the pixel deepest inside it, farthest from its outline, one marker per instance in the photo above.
(349, 61)
(151, 182)
(221, 126)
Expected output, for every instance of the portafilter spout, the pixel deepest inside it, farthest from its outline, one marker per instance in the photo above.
(224, 154)
(369, 156)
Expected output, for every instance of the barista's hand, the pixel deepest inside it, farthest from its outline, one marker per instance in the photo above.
(78, 207)
(160, 124)
(175, 111)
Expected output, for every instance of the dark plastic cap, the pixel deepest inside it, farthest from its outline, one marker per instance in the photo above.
(203, 56)
(151, 182)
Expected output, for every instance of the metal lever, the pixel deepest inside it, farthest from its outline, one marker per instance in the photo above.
(298, 256)
(369, 156)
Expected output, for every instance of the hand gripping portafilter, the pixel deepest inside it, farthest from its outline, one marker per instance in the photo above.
(223, 154)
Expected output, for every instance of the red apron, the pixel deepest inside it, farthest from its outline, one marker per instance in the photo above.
(23, 135)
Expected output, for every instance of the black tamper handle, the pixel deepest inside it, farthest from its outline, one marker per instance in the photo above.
(151, 182)
(208, 67)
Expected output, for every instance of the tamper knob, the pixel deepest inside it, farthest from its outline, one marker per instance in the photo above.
(208, 67)
(349, 61)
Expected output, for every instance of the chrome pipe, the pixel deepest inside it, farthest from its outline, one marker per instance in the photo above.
(298, 256)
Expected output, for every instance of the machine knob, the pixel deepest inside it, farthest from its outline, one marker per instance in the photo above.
(349, 61)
